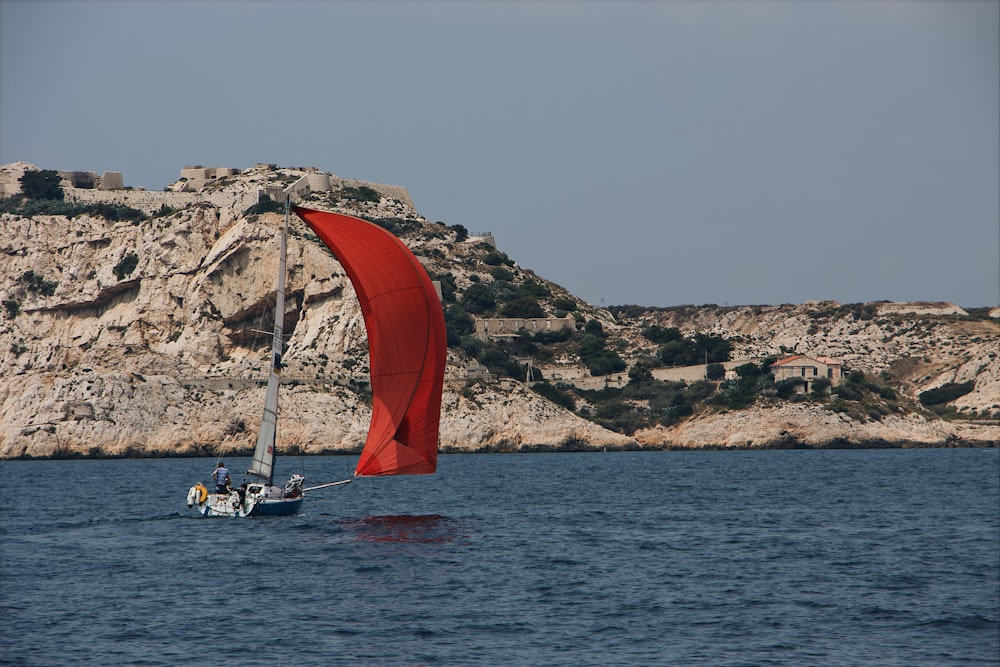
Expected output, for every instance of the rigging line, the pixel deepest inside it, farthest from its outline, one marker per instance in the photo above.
(330, 494)
(328, 485)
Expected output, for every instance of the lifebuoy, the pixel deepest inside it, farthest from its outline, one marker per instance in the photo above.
(202, 492)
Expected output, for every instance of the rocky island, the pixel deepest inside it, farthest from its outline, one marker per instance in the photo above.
(131, 325)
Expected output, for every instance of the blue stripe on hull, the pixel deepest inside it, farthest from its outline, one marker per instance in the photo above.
(277, 507)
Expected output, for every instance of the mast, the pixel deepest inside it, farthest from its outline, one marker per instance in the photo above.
(263, 455)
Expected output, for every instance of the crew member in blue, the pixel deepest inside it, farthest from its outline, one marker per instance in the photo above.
(221, 477)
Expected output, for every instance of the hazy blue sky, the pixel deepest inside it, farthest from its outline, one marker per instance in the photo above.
(657, 153)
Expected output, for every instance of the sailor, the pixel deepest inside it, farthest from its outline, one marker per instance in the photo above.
(221, 477)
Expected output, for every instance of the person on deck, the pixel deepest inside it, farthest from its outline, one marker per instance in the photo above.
(221, 477)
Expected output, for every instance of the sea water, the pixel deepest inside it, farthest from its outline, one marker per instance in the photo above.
(875, 557)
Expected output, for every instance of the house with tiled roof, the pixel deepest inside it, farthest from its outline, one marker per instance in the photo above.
(808, 369)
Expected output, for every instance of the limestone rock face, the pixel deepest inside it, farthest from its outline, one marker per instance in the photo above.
(516, 420)
(152, 339)
(798, 424)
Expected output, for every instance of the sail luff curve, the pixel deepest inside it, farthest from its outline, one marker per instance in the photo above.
(406, 339)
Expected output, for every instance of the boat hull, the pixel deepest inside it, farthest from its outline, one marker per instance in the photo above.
(277, 507)
(257, 500)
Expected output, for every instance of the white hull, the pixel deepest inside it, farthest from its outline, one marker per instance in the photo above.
(257, 500)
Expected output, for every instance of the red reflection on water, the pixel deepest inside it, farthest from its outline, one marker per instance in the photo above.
(429, 529)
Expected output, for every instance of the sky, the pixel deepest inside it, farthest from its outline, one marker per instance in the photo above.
(633, 152)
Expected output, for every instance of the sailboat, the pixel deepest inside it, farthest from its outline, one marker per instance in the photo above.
(407, 346)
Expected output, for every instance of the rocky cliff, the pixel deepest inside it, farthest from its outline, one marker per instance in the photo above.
(147, 336)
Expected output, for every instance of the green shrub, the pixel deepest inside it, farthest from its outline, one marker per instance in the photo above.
(640, 374)
(501, 273)
(499, 361)
(362, 193)
(612, 409)
(37, 283)
(551, 337)
(699, 391)
(478, 299)
(749, 371)
(458, 323)
(524, 307)
(946, 393)
(691, 351)
(888, 393)
(735, 394)
(45, 184)
(265, 205)
(605, 363)
(448, 289)
(471, 346)
(563, 303)
(495, 258)
(864, 311)
(395, 226)
(846, 392)
(786, 389)
(533, 289)
(115, 212)
(852, 409)
(126, 265)
(461, 233)
(657, 334)
(555, 394)
(821, 387)
(594, 355)
(29, 208)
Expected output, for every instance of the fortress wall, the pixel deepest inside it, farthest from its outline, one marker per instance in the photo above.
(328, 182)
(112, 180)
(390, 191)
(10, 175)
(89, 187)
(79, 179)
(920, 308)
(318, 182)
(486, 328)
(148, 201)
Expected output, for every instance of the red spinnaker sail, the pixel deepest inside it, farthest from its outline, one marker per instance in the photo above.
(407, 342)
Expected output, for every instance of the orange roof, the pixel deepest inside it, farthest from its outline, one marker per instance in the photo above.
(787, 360)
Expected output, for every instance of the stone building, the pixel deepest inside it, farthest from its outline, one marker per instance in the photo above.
(195, 178)
(90, 180)
(808, 370)
(511, 327)
(10, 179)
